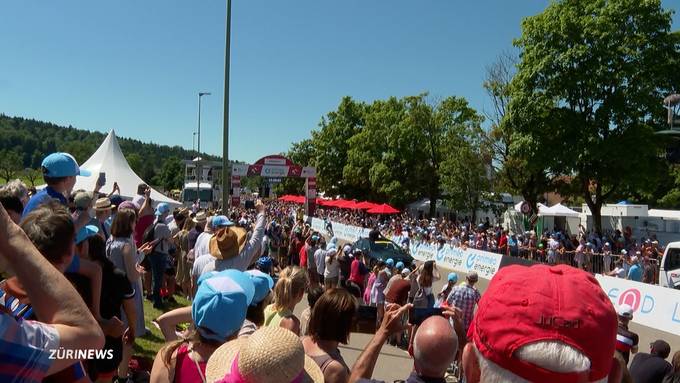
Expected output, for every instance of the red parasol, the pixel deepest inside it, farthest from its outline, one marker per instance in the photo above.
(383, 209)
(366, 205)
(347, 205)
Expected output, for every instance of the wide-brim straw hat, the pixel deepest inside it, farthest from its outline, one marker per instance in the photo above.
(269, 355)
(103, 204)
(201, 217)
(228, 242)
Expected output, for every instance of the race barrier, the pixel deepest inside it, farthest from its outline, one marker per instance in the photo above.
(653, 306)
(485, 263)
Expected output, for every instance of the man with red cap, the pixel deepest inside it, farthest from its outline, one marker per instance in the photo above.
(542, 324)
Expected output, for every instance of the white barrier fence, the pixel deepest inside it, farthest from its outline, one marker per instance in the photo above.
(654, 306)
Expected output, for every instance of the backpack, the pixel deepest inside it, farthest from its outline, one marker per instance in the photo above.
(149, 234)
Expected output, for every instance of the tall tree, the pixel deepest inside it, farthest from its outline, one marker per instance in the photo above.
(32, 175)
(10, 165)
(600, 67)
(171, 175)
(331, 144)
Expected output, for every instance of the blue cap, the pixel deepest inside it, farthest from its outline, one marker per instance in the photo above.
(86, 232)
(400, 265)
(221, 221)
(263, 285)
(333, 244)
(264, 264)
(162, 208)
(453, 277)
(62, 165)
(229, 291)
(389, 262)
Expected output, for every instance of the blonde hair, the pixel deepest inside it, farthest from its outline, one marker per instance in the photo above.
(553, 356)
(292, 283)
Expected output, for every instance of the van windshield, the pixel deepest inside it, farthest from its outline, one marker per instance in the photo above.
(672, 259)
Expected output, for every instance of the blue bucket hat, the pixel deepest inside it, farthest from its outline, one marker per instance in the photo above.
(390, 262)
(62, 165)
(263, 285)
(229, 291)
(453, 277)
(162, 208)
(400, 265)
(86, 232)
(221, 221)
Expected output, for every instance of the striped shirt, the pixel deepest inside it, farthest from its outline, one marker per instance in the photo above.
(625, 341)
(25, 349)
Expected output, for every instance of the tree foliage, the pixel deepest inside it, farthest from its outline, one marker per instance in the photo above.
(10, 164)
(591, 76)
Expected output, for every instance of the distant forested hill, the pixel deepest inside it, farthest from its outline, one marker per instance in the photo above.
(24, 143)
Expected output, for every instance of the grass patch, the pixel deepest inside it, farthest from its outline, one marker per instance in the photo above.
(148, 345)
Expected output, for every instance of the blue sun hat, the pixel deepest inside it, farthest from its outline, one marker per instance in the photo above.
(86, 232)
(263, 285)
(229, 291)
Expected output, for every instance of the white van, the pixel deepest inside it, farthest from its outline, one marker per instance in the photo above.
(669, 276)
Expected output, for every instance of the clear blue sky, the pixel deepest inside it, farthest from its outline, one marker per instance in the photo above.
(137, 66)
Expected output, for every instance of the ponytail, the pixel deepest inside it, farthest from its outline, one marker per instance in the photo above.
(292, 283)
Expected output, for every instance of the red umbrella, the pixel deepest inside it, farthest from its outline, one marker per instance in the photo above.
(285, 198)
(336, 203)
(348, 205)
(366, 205)
(383, 209)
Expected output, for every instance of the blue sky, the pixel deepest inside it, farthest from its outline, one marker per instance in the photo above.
(137, 66)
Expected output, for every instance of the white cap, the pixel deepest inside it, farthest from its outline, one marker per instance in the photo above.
(625, 311)
(406, 271)
(624, 252)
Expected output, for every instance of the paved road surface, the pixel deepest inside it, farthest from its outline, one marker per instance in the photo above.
(395, 364)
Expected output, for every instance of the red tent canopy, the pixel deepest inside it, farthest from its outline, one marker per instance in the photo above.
(347, 205)
(336, 203)
(383, 209)
(366, 205)
(285, 198)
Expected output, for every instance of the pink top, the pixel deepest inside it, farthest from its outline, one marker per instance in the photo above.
(185, 368)
(367, 292)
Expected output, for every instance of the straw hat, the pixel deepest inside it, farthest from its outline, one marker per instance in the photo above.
(103, 204)
(228, 242)
(200, 217)
(270, 355)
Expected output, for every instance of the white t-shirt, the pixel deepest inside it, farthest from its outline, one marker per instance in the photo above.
(202, 246)
(332, 269)
(320, 260)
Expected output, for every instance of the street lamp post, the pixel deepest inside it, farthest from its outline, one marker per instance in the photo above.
(198, 159)
(226, 176)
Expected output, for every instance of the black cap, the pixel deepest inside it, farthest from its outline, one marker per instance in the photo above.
(661, 348)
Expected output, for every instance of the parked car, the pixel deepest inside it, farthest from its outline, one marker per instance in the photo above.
(669, 275)
(382, 250)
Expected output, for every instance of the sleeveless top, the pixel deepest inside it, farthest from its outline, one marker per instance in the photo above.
(323, 361)
(273, 317)
(185, 367)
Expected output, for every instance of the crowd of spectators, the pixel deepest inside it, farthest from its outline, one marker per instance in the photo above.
(246, 270)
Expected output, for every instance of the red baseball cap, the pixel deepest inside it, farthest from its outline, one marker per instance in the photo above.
(524, 305)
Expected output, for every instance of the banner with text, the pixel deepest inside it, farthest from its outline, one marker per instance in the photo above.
(653, 306)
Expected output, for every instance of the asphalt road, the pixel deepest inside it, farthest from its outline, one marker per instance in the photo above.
(395, 364)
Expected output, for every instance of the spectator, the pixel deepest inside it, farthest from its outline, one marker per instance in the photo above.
(320, 256)
(159, 235)
(12, 205)
(17, 189)
(330, 325)
(102, 208)
(270, 355)
(331, 260)
(68, 325)
(378, 289)
(117, 293)
(674, 376)
(184, 263)
(395, 276)
(563, 328)
(231, 247)
(288, 292)
(452, 279)
(425, 275)
(145, 214)
(626, 340)
(59, 172)
(635, 272)
(652, 367)
(200, 220)
(313, 295)
(465, 297)
(255, 315)
(122, 252)
(357, 276)
(185, 360)
(435, 347)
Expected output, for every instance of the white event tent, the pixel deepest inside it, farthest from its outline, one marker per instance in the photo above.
(109, 158)
(559, 210)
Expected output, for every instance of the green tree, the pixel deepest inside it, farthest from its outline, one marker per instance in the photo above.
(171, 175)
(331, 144)
(594, 72)
(32, 175)
(135, 162)
(10, 165)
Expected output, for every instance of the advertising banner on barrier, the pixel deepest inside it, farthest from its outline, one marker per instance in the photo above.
(653, 306)
(486, 264)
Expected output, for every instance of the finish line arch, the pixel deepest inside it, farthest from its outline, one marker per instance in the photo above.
(275, 166)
